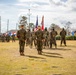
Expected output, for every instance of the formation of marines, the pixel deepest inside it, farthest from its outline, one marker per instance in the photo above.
(40, 39)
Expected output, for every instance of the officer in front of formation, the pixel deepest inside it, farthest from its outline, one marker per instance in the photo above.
(21, 34)
(39, 38)
(63, 37)
(53, 34)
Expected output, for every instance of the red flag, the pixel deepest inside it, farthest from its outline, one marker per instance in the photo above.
(42, 23)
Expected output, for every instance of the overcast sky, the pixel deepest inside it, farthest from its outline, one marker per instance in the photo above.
(54, 11)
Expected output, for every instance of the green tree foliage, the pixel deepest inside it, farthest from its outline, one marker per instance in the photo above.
(23, 20)
(31, 25)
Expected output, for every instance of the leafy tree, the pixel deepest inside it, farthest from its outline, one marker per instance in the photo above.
(23, 20)
(31, 25)
(56, 27)
(67, 27)
(53, 25)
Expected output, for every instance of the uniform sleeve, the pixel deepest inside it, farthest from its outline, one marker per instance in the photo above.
(35, 33)
(25, 35)
(18, 35)
(48, 33)
(65, 33)
(56, 33)
(60, 33)
(42, 35)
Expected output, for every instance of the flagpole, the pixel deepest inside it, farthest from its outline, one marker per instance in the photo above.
(0, 24)
(16, 26)
(29, 17)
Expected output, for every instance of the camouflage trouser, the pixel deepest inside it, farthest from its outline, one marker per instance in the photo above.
(8, 40)
(21, 44)
(46, 42)
(53, 41)
(33, 41)
(3, 40)
(27, 41)
(63, 40)
(13, 39)
(39, 45)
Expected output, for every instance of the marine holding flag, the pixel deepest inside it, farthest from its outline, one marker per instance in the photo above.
(35, 29)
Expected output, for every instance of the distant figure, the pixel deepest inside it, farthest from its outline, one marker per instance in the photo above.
(33, 39)
(28, 37)
(63, 37)
(21, 34)
(8, 38)
(13, 38)
(46, 38)
(53, 34)
(0, 38)
(39, 38)
(3, 38)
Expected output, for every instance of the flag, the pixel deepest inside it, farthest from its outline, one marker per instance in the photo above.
(42, 23)
(13, 33)
(36, 24)
(9, 33)
(72, 33)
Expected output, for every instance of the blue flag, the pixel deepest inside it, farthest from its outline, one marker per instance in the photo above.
(9, 33)
(36, 22)
(73, 33)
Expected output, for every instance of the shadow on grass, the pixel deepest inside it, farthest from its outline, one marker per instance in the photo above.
(52, 56)
(52, 53)
(59, 49)
(55, 55)
(34, 57)
(68, 46)
(71, 46)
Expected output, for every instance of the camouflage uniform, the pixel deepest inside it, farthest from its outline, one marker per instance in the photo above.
(46, 38)
(63, 35)
(8, 38)
(0, 38)
(28, 37)
(21, 34)
(3, 38)
(33, 39)
(53, 34)
(13, 38)
(39, 38)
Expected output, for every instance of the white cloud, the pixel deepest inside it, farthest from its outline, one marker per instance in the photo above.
(33, 0)
(25, 0)
(56, 1)
(54, 11)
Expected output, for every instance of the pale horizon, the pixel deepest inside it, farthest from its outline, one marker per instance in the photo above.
(54, 11)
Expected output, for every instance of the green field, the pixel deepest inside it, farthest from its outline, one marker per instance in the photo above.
(60, 61)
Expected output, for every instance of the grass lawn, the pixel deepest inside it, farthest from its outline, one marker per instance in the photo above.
(60, 61)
